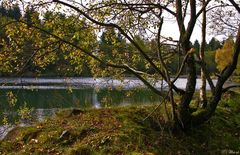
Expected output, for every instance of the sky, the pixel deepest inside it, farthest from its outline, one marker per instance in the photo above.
(171, 29)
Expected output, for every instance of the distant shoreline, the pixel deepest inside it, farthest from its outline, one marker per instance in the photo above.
(86, 82)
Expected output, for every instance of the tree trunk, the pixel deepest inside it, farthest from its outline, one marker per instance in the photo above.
(203, 97)
(183, 109)
(184, 113)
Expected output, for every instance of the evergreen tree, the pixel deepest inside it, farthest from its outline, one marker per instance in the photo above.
(196, 45)
(14, 12)
(213, 44)
(108, 39)
(3, 10)
(31, 16)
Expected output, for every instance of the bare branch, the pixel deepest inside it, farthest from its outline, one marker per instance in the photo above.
(203, 8)
(230, 87)
(164, 99)
(235, 5)
(181, 68)
(206, 72)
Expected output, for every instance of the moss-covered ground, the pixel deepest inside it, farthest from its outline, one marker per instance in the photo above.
(127, 130)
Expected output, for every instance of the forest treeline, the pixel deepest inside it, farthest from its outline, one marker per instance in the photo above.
(22, 55)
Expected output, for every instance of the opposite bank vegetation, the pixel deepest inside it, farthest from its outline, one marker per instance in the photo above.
(127, 130)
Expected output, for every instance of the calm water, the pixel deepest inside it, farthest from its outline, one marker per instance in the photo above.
(45, 101)
(46, 95)
(82, 98)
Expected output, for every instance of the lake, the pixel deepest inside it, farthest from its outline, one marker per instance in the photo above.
(50, 93)
(45, 95)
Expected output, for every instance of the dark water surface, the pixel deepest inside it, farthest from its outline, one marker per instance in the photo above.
(44, 102)
(46, 95)
(81, 98)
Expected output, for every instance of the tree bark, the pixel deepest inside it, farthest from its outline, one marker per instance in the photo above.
(203, 97)
(184, 110)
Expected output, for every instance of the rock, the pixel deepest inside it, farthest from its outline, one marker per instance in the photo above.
(5, 129)
(65, 134)
(76, 111)
(69, 112)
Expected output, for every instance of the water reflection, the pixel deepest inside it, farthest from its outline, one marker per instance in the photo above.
(45, 101)
(41, 114)
(95, 101)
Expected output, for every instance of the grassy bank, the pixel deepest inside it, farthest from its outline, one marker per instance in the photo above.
(127, 130)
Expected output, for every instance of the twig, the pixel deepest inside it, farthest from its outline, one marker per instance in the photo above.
(229, 87)
(156, 107)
